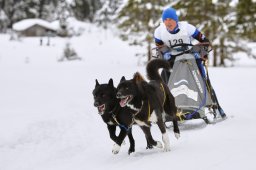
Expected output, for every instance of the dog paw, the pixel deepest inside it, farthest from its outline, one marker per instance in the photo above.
(167, 148)
(149, 147)
(131, 150)
(177, 135)
(159, 144)
(116, 149)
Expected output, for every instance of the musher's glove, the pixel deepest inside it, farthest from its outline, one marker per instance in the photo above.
(205, 57)
(206, 48)
(204, 52)
(167, 56)
(158, 53)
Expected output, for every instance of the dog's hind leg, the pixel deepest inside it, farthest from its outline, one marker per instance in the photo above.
(132, 142)
(165, 136)
(176, 129)
(171, 111)
(150, 141)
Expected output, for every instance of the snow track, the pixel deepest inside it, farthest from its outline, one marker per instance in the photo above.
(48, 122)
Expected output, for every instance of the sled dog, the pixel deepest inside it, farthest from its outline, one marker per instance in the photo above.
(152, 101)
(114, 115)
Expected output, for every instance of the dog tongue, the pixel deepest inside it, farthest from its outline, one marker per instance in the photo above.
(101, 108)
(123, 102)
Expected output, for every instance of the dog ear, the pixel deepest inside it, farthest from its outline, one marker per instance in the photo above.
(137, 77)
(97, 83)
(122, 79)
(110, 83)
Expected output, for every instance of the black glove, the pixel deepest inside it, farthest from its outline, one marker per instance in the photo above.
(204, 54)
(205, 48)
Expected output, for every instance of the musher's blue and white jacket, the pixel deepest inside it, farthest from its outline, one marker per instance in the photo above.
(184, 34)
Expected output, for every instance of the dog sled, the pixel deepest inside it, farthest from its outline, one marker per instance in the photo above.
(190, 84)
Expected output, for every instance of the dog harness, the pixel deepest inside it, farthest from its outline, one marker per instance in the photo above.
(162, 88)
(121, 125)
(127, 128)
(134, 115)
(149, 109)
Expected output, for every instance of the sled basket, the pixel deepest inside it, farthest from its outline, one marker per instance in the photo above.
(187, 84)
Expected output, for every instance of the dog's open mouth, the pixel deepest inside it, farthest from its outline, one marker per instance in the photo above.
(101, 108)
(125, 100)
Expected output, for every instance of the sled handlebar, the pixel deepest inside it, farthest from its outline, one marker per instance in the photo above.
(186, 44)
(201, 48)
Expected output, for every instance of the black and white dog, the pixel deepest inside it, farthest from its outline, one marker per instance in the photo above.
(152, 101)
(114, 115)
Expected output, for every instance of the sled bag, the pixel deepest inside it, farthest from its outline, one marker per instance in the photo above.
(187, 85)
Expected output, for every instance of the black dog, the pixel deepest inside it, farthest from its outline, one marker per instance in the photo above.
(114, 115)
(152, 101)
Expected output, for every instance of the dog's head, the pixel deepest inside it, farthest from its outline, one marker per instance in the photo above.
(128, 89)
(104, 96)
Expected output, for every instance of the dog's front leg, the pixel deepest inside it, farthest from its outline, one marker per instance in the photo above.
(112, 132)
(119, 141)
(132, 142)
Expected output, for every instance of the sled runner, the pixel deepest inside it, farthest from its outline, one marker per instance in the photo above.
(190, 84)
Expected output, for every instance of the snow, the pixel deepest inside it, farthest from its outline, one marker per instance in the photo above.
(2, 15)
(75, 26)
(48, 121)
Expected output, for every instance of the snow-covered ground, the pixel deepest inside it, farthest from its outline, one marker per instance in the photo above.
(48, 122)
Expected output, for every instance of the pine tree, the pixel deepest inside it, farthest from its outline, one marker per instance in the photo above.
(85, 9)
(31, 8)
(46, 9)
(3, 21)
(224, 33)
(246, 19)
(227, 32)
(138, 19)
(105, 16)
(63, 14)
(16, 10)
(95, 5)
(13, 9)
(81, 9)
(213, 19)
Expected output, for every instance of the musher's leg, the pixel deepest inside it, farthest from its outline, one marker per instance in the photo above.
(203, 74)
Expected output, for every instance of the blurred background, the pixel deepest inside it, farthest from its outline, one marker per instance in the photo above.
(229, 24)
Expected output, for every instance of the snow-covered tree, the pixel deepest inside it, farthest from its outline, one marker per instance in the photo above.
(106, 15)
(246, 19)
(85, 9)
(223, 22)
(138, 19)
(63, 14)
(13, 9)
(16, 10)
(44, 9)
(47, 9)
(215, 19)
(3, 21)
